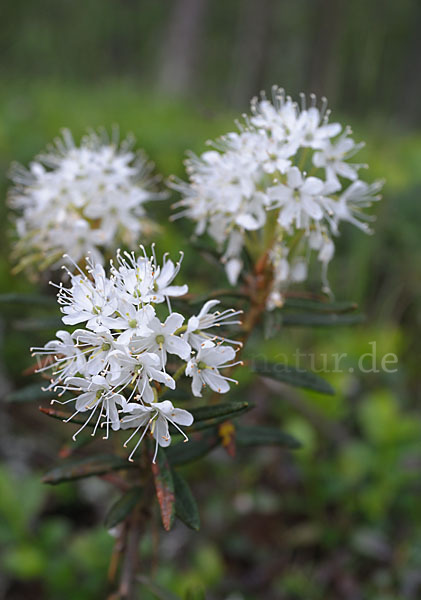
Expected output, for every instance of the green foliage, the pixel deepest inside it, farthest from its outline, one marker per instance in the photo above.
(78, 468)
(165, 488)
(185, 505)
(264, 436)
(29, 393)
(297, 377)
(199, 445)
(47, 552)
(349, 497)
(123, 507)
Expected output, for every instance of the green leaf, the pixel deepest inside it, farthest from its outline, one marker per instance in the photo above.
(264, 436)
(31, 299)
(123, 507)
(159, 592)
(185, 505)
(63, 416)
(83, 439)
(164, 486)
(86, 467)
(223, 409)
(202, 425)
(29, 393)
(320, 320)
(319, 306)
(292, 376)
(235, 294)
(182, 453)
(37, 323)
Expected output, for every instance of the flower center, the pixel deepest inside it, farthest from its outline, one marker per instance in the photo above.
(201, 365)
(132, 323)
(105, 346)
(160, 339)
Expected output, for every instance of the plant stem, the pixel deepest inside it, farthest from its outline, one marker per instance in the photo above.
(131, 556)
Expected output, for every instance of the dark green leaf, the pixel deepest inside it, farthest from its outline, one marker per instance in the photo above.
(123, 507)
(86, 467)
(29, 393)
(292, 376)
(264, 436)
(31, 299)
(222, 409)
(82, 440)
(164, 486)
(38, 323)
(181, 453)
(209, 424)
(319, 320)
(159, 592)
(201, 299)
(185, 504)
(314, 305)
(62, 416)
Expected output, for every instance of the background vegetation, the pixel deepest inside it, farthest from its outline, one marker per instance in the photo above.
(341, 517)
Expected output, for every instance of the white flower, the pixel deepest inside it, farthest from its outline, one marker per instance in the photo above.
(163, 278)
(316, 130)
(138, 371)
(80, 199)
(195, 334)
(95, 348)
(333, 156)
(299, 200)
(96, 393)
(87, 300)
(155, 418)
(118, 355)
(203, 368)
(134, 321)
(264, 167)
(143, 280)
(163, 338)
(358, 196)
(63, 355)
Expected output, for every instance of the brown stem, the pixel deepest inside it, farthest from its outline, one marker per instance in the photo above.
(259, 286)
(131, 556)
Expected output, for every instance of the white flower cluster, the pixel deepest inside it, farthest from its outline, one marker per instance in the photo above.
(118, 362)
(81, 199)
(286, 174)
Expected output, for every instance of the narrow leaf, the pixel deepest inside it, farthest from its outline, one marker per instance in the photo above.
(159, 592)
(69, 449)
(319, 306)
(86, 467)
(182, 453)
(264, 436)
(185, 505)
(37, 324)
(61, 415)
(223, 409)
(292, 376)
(201, 425)
(31, 299)
(164, 486)
(123, 507)
(320, 320)
(29, 393)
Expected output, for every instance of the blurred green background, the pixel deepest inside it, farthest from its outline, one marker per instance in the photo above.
(340, 518)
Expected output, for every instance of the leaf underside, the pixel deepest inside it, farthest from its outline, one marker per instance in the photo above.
(292, 376)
